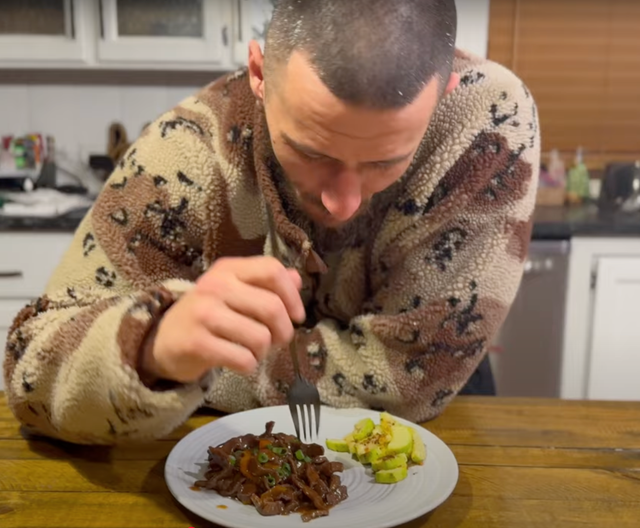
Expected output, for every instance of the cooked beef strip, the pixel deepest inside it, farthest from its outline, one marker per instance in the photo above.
(265, 472)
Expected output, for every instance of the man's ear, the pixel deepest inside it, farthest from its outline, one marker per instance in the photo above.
(256, 70)
(454, 81)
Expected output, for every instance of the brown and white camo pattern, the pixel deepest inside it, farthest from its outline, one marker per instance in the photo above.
(399, 319)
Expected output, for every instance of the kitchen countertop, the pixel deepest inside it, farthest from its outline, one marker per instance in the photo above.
(585, 220)
(524, 463)
(550, 223)
(64, 223)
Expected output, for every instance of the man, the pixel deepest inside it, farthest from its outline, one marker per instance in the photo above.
(401, 179)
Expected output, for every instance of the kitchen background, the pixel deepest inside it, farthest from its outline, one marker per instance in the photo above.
(79, 79)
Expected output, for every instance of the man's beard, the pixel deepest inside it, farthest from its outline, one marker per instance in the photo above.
(357, 231)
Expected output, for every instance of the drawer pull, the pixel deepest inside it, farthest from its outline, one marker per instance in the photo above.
(10, 274)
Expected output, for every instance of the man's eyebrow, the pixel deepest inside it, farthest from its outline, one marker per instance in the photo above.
(305, 149)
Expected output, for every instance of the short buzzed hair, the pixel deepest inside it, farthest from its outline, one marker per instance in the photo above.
(372, 53)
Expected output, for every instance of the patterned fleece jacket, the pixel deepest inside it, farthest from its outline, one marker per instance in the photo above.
(401, 309)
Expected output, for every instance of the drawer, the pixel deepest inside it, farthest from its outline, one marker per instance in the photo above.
(9, 309)
(27, 261)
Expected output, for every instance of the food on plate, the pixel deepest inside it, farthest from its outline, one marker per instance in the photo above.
(391, 476)
(276, 473)
(389, 447)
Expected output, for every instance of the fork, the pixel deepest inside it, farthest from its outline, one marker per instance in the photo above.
(302, 393)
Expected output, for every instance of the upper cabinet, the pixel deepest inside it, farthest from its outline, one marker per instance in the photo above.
(127, 34)
(42, 31)
(164, 31)
(251, 20)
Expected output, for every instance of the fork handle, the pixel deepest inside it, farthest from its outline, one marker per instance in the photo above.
(294, 357)
(271, 225)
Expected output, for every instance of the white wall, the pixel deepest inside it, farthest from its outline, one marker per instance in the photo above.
(473, 26)
(79, 116)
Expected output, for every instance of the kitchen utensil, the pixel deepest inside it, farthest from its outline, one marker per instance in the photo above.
(302, 397)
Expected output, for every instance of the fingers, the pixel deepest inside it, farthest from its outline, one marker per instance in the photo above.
(231, 325)
(295, 277)
(216, 352)
(266, 308)
(272, 275)
(269, 274)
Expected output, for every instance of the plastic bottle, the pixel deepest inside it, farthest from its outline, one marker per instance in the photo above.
(557, 173)
(578, 180)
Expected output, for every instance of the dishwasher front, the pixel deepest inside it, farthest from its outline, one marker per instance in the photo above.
(526, 356)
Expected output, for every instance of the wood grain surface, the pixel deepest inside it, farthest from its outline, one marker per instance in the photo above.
(523, 463)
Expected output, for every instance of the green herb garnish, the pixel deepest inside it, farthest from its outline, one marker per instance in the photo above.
(262, 458)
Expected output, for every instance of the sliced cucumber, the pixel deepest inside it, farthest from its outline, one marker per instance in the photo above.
(387, 422)
(363, 429)
(391, 476)
(419, 450)
(372, 454)
(337, 444)
(401, 440)
(393, 462)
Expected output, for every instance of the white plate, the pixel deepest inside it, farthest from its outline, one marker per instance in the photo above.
(369, 505)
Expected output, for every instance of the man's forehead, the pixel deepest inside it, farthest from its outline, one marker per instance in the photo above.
(307, 102)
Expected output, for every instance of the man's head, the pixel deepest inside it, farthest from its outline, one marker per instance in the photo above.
(349, 88)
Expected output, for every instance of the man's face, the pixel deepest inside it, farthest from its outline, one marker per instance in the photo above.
(336, 156)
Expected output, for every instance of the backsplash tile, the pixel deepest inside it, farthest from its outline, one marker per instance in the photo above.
(141, 104)
(14, 109)
(79, 116)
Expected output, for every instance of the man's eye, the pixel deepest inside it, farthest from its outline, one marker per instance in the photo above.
(312, 157)
(381, 167)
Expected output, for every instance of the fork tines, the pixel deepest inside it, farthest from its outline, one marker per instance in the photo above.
(306, 419)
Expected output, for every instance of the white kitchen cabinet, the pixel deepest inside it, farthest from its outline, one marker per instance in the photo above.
(27, 260)
(601, 352)
(153, 32)
(250, 22)
(8, 311)
(43, 30)
(157, 34)
(614, 366)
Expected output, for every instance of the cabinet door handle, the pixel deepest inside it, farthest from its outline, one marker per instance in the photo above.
(101, 18)
(239, 4)
(10, 274)
(225, 36)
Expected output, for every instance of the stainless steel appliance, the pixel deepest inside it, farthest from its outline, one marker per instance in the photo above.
(620, 187)
(526, 357)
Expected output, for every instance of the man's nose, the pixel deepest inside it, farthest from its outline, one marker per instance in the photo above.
(344, 197)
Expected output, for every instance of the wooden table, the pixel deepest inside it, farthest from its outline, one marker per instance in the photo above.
(523, 463)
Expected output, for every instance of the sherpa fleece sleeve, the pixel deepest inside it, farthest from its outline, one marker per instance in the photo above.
(444, 270)
(71, 358)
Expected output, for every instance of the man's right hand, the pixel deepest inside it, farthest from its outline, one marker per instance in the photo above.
(237, 311)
